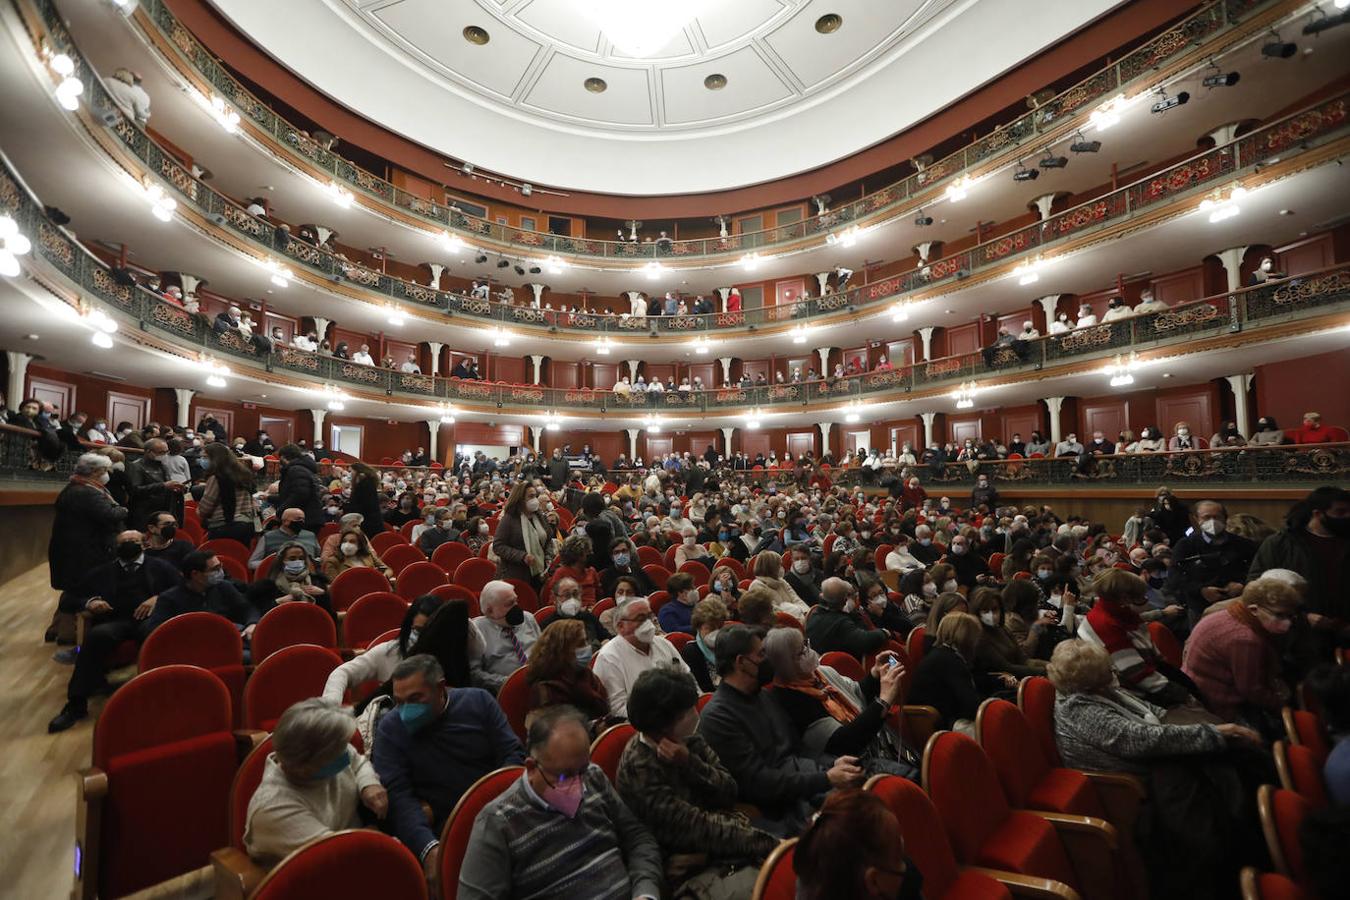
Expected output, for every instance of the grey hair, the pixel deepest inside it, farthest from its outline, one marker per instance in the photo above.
(1287, 576)
(781, 646)
(833, 592)
(89, 463)
(311, 733)
(423, 664)
(493, 592)
(621, 609)
(547, 721)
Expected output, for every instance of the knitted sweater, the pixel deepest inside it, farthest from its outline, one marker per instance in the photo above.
(1232, 665)
(1120, 733)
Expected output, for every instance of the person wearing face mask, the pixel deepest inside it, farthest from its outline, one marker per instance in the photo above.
(435, 744)
(523, 544)
(689, 549)
(476, 533)
(876, 602)
(570, 602)
(559, 673)
(1233, 657)
(707, 620)
(754, 739)
(1000, 660)
(1115, 623)
(1210, 564)
(1267, 433)
(623, 564)
(290, 529)
(508, 635)
(441, 532)
(677, 786)
(923, 548)
(970, 568)
(837, 625)
(574, 564)
(768, 572)
(638, 647)
(803, 576)
(917, 591)
(150, 490)
(1183, 439)
(118, 596)
(378, 663)
(596, 846)
(855, 848)
(983, 494)
(353, 551)
(84, 531)
(406, 511)
(1315, 543)
(290, 578)
(312, 784)
(162, 540)
(674, 615)
(1068, 447)
(205, 588)
(945, 676)
(1171, 514)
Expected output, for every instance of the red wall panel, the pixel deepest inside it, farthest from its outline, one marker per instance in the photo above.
(1198, 406)
(563, 374)
(1288, 389)
(1308, 255)
(512, 369)
(1181, 287)
(1021, 420)
(962, 339)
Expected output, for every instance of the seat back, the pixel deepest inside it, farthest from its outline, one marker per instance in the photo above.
(458, 592)
(1036, 699)
(418, 579)
(697, 570)
(286, 677)
(402, 555)
(372, 615)
(845, 664)
(658, 574)
(730, 562)
(914, 645)
(246, 781)
(1282, 812)
(1301, 773)
(996, 563)
(355, 863)
(657, 599)
(450, 554)
(777, 877)
(667, 559)
(234, 569)
(1268, 886)
(290, 624)
(226, 547)
(459, 824)
(648, 555)
(1007, 739)
(925, 838)
(514, 698)
(608, 747)
(1169, 648)
(545, 614)
(474, 573)
(1305, 729)
(157, 767)
(406, 529)
(387, 540)
(200, 639)
(527, 598)
(679, 638)
(353, 583)
(264, 567)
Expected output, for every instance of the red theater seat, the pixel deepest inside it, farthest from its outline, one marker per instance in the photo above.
(418, 579)
(354, 583)
(474, 573)
(777, 878)
(450, 554)
(286, 677)
(356, 863)
(459, 824)
(290, 624)
(372, 615)
(608, 747)
(200, 639)
(400, 556)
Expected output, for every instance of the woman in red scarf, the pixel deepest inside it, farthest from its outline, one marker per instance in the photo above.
(1114, 623)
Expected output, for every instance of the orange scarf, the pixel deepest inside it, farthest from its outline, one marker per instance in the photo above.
(836, 703)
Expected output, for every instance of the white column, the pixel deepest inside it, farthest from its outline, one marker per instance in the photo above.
(434, 433)
(823, 279)
(726, 368)
(1232, 266)
(321, 327)
(632, 442)
(538, 365)
(923, 250)
(1224, 133)
(538, 290)
(632, 368)
(636, 305)
(824, 354)
(189, 284)
(1049, 303)
(1043, 204)
(536, 433)
(927, 418)
(1240, 384)
(926, 336)
(1054, 404)
(435, 349)
(727, 432)
(436, 270)
(724, 293)
(319, 415)
(183, 406)
(18, 371)
(824, 436)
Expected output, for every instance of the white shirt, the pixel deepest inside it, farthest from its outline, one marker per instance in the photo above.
(301, 342)
(132, 98)
(362, 358)
(255, 209)
(901, 561)
(1117, 312)
(410, 368)
(618, 665)
(1086, 321)
(1058, 327)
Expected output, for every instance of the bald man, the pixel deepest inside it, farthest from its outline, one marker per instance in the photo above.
(150, 487)
(118, 596)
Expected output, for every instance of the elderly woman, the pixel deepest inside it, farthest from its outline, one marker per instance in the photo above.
(559, 672)
(1234, 659)
(355, 552)
(854, 848)
(522, 544)
(723, 586)
(945, 678)
(574, 557)
(291, 579)
(768, 572)
(312, 783)
(707, 620)
(835, 715)
(689, 550)
(877, 603)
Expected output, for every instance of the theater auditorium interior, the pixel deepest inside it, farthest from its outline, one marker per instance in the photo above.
(675, 449)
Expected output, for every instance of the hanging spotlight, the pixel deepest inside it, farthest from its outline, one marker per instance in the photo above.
(503, 263)
(520, 270)
(1219, 78)
(1083, 145)
(480, 258)
(13, 244)
(1278, 48)
(1025, 174)
(1053, 162)
(1317, 26)
(1167, 101)
(534, 269)
(923, 221)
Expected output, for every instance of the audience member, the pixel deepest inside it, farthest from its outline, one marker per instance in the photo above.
(378, 663)
(559, 673)
(854, 848)
(508, 635)
(637, 647)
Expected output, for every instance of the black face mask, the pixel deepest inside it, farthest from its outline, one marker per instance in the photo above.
(764, 675)
(166, 532)
(911, 886)
(1339, 526)
(127, 551)
(515, 616)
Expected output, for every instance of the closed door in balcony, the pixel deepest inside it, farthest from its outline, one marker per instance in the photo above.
(128, 408)
(800, 443)
(748, 227)
(281, 429)
(658, 447)
(902, 434)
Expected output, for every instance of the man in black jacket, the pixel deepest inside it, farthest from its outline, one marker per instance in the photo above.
(1209, 565)
(803, 576)
(557, 470)
(205, 588)
(120, 597)
(836, 624)
(299, 486)
(150, 488)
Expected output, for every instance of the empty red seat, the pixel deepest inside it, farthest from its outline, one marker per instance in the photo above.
(459, 824)
(1282, 812)
(164, 758)
(356, 863)
(474, 573)
(1028, 779)
(845, 664)
(227, 547)
(696, 569)
(354, 583)
(418, 579)
(1036, 699)
(234, 569)
(526, 596)
(290, 624)
(387, 540)
(201, 639)
(450, 554)
(914, 645)
(648, 555)
(1269, 886)
(286, 677)
(1304, 729)
(658, 574)
(400, 556)
(372, 615)
(264, 568)
(458, 592)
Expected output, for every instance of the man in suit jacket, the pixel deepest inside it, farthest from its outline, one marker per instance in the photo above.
(119, 596)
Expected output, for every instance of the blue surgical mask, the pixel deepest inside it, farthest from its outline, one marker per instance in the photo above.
(215, 577)
(295, 566)
(621, 559)
(723, 535)
(584, 654)
(334, 768)
(416, 716)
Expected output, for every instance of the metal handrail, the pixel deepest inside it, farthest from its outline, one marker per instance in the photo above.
(1206, 22)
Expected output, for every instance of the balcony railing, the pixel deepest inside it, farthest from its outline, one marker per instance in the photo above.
(1251, 308)
(1140, 64)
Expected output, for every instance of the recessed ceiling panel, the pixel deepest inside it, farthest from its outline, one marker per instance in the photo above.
(751, 84)
(561, 88)
(867, 26)
(436, 28)
(727, 23)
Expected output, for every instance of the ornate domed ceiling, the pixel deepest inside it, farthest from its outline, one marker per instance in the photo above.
(651, 96)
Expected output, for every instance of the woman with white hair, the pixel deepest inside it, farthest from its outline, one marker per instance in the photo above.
(312, 783)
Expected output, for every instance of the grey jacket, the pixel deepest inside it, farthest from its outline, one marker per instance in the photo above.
(1121, 733)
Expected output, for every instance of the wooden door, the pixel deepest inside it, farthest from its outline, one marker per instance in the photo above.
(963, 339)
(748, 227)
(60, 394)
(1196, 407)
(658, 446)
(960, 429)
(800, 443)
(787, 292)
(902, 433)
(1110, 417)
(131, 408)
(224, 416)
(281, 429)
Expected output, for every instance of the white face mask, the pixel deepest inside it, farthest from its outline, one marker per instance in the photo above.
(1213, 527)
(929, 589)
(349, 549)
(989, 618)
(104, 478)
(801, 566)
(949, 586)
(850, 606)
(645, 632)
(570, 607)
(532, 505)
(482, 528)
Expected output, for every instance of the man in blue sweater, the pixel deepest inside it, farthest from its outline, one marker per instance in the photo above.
(435, 744)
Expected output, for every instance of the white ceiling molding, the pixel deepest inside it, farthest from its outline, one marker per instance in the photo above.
(794, 99)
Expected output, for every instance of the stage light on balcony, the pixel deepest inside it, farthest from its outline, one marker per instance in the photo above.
(1278, 48)
(101, 340)
(13, 244)
(1022, 173)
(1219, 78)
(339, 194)
(451, 243)
(799, 334)
(959, 189)
(922, 221)
(1168, 101)
(965, 395)
(846, 238)
(654, 270)
(501, 337)
(1050, 161)
(750, 262)
(219, 110)
(1082, 145)
(162, 206)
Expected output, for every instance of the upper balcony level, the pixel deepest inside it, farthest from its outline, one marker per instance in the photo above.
(1204, 35)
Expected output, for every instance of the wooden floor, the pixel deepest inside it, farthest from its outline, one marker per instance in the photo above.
(37, 770)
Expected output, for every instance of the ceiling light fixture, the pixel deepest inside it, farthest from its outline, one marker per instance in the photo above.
(1053, 162)
(853, 412)
(161, 204)
(225, 117)
(1218, 77)
(101, 321)
(451, 243)
(215, 372)
(715, 82)
(652, 424)
(281, 275)
(654, 270)
(602, 346)
(900, 312)
(476, 35)
(551, 421)
(750, 262)
(1121, 370)
(501, 337)
(447, 414)
(69, 89)
(1028, 272)
(13, 244)
(595, 85)
(753, 420)
(480, 258)
(641, 28)
(965, 395)
(555, 265)
(702, 345)
(958, 189)
(101, 340)
(1221, 207)
(396, 316)
(337, 400)
(799, 333)
(339, 194)
(846, 238)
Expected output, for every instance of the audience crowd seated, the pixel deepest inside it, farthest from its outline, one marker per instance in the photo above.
(706, 786)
